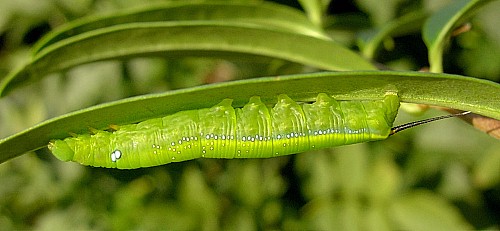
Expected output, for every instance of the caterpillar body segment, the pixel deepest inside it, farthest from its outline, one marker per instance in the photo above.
(253, 131)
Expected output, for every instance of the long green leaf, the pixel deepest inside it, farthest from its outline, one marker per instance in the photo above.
(186, 38)
(479, 96)
(315, 9)
(273, 15)
(439, 26)
(370, 41)
(422, 210)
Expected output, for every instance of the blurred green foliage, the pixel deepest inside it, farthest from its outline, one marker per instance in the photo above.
(443, 176)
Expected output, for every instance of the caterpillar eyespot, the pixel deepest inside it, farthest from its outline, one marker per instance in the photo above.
(252, 131)
(115, 155)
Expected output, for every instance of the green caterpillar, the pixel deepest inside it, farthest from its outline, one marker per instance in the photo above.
(253, 131)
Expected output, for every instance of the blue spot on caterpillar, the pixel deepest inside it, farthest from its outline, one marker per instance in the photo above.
(253, 131)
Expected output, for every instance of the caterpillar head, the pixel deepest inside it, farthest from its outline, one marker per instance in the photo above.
(61, 150)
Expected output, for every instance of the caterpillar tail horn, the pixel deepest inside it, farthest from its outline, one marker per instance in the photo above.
(402, 127)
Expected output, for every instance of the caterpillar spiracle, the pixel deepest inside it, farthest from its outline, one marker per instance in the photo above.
(253, 131)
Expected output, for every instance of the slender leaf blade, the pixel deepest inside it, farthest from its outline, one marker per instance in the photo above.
(264, 13)
(439, 26)
(183, 38)
(315, 9)
(479, 96)
(370, 41)
(423, 210)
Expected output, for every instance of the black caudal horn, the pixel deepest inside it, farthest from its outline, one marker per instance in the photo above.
(402, 127)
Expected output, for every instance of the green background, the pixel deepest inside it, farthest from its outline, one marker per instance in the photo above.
(441, 176)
